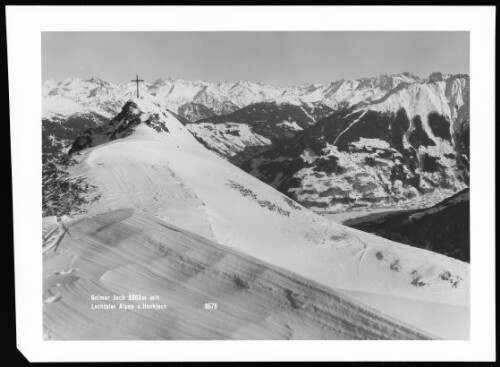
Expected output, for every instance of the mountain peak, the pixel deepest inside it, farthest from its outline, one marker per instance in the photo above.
(135, 112)
(137, 118)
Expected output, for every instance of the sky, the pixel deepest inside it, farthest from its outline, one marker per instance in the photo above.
(280, 58)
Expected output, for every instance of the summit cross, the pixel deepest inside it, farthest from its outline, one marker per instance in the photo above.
(137, 80)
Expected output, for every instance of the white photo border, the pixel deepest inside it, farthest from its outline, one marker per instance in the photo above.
(24, 27)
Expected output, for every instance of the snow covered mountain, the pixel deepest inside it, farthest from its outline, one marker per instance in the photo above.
(74, 95)
(386, 141)
(93, 101)
(409, 147)
(146, 160)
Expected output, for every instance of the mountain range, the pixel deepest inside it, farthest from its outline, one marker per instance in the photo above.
(408, 148)
(156, 210)
(77, 96)
(387, 141)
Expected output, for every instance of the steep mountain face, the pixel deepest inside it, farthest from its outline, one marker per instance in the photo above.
(442, 228)
(147, 161)
(254, 128)
(408, 148)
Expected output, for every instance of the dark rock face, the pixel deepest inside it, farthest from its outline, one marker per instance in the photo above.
(119, 127)
(418, 137)
(318, 110)
(443, 228)
(439, 125)
(372, 125)
(399, 127)
(463, 151)
(429, 163)
(329, 165)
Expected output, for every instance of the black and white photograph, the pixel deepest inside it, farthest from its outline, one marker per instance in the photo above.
(255, 185)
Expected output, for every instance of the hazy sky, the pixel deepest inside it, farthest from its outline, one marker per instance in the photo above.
(282, 58)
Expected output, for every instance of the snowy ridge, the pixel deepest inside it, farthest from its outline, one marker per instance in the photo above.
(93, 94)
(170, 175)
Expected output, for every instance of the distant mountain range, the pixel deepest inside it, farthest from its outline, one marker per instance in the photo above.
(385, 141)
(74, 95)
(80, 104)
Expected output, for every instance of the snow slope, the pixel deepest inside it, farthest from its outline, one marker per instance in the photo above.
(167, 173)
(127, 252)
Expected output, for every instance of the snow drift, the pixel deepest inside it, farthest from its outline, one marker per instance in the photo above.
(146, 160)
(128, 252)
